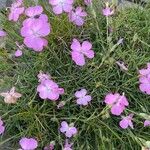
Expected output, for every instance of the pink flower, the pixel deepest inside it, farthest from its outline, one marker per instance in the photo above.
(79, 51)
(77, 16)
(60, 6)
(117, 102)
(48, 89)
(11, 96)
(88, 2)
(34, 34)
(126, 122)
(42, 76)
(67, 146)
(28, 143)
(82, 98)
(16, 10)
(18, 53)
(144, 79)
(2, 127)
(68, 130)
(146, 123)
(2, 33)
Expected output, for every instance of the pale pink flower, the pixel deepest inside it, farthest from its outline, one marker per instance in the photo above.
(67, 146)
(117, 103)
(28, 143)
(82, 97)
(88, 2)
(60, 6)
(147, 123)
(11, 96)
(2, 33)
(43, 76)
(48, 89)
(16, 10)
(77, 16)
(18, 53)
(68, 130)
(79, 51)
(34, 34)
(2, 127)
(126, 122)
(144, 79)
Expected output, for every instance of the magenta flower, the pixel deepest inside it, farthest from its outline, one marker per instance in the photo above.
(88, 2)
(117, 103)
(144, 79)
(60, 6)
(68, 130)
(48, 89)
(42, 76)
(2, 33)
(82, 98)
(126, 122)
(147, 123)
(2, 127)
(34, 34)
(16, 10)
(28, 143)
(79, 51)
(77, 16)
(67, 146)
(18, 53)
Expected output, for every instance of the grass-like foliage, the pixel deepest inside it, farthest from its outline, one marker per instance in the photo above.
(97, 128)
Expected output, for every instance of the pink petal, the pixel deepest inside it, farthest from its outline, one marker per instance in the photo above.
(67, 8)
(79, 21)
(36, 43)
(78, 58)
(124, 123)
(111, 98)
(57, 9)
(64, 126)
(145, 88)
(2, 129)
(89, 54)
(28, 143)
(75, 45)
(86, 45)
(33, 11)
(146, 123)
(117, 109)
(53, 96)
(81, 93)
(2, 33)
(18, 53)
